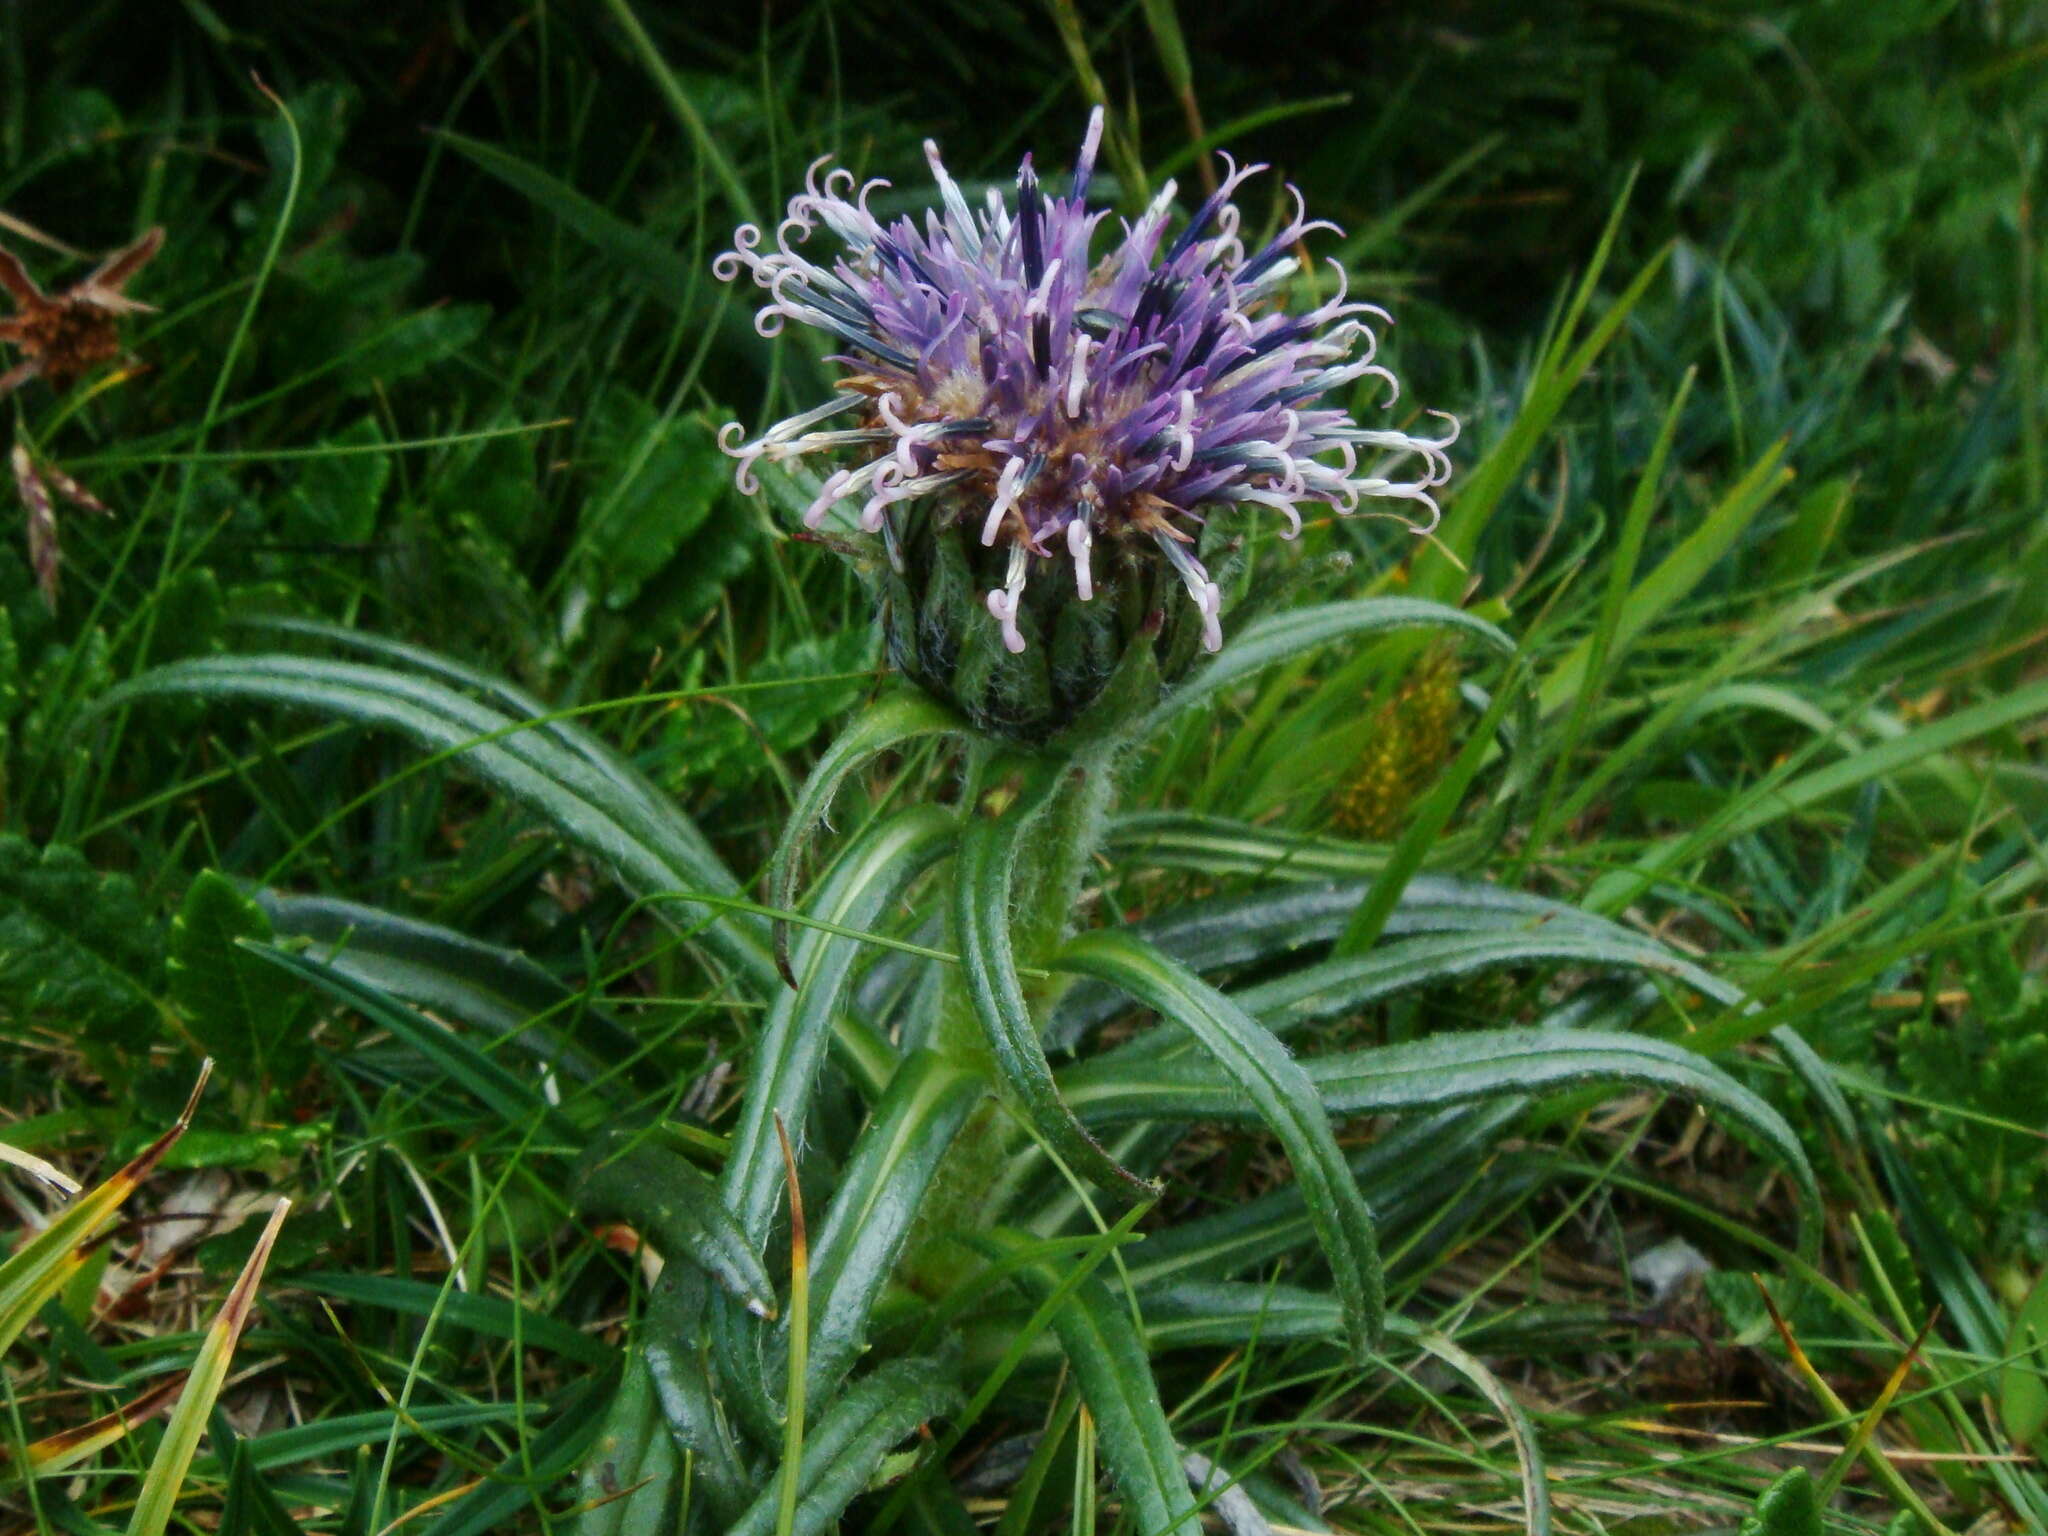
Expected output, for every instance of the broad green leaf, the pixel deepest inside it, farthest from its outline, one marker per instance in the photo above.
(240, 1010)
(1265, 1079)
(333, 499)
(847, 1443)
(659, 478)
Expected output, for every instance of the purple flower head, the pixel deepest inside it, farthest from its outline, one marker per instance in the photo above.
(1052, 401)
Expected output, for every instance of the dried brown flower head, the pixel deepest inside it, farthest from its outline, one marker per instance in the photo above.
(62, 336)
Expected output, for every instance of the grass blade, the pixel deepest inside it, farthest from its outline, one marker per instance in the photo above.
(158, 1499)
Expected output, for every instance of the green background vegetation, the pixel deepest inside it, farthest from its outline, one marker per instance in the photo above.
(1738, 305)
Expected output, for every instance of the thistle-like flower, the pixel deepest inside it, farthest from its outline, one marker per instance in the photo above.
(1037, 406)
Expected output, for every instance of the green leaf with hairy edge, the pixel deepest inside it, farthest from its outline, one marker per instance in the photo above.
(602, 806)
(1789, 1507)
(1219, 845)
(242, 1013)
(77, 947)
(498, 692)
(483, 1077)
(879, 1197)
(981, 916)
(1332, 988)
(495, 1317)
(1282, 1097)
(886, 724)
(868, 877)
(1109, 1361)
(1450, 1068)
(1280, 636)
(847, 1443)
(1342, 985)
(859, 888)
(461, 978)
(1230, 931)
(634, 1178)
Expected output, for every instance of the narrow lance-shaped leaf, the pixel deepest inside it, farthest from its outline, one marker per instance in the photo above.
(1293, 632)
(1281, 1096)
(877, 1202)
(847, 1443)
(1447, 1069)
(885, 725)
(1110, 1362)
(981, 914)
(596, 802)
(510, 1097)
(678, 1206)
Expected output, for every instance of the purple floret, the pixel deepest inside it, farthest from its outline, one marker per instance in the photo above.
(1059, 400)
